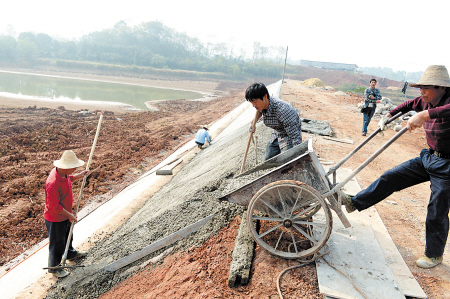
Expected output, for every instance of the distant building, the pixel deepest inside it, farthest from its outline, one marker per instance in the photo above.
(330, 65)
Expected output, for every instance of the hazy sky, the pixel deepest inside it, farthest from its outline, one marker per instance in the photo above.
(403, 35)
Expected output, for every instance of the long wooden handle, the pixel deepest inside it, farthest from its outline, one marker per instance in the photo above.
(249, 140)
(63, 261)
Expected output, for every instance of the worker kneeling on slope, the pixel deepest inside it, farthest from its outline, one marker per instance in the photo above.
(202, 136)
(433, 164)
(278, 115)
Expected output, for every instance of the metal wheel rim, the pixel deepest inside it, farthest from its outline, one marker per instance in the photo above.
(283, 219)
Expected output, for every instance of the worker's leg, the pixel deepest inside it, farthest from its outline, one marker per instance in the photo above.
(57, 235)
(437, 222)
(200, 145)
(272, 149)
(365, 122)
(367, 118)
(407, 174)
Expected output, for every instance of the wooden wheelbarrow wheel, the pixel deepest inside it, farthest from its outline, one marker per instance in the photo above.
(295, 221)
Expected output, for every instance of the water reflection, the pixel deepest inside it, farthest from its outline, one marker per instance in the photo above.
(54, 88)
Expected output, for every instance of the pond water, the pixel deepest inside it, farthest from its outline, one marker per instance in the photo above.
(56, 88)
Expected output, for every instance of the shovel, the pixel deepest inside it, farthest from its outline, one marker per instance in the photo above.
(63, 261)
(250, 139)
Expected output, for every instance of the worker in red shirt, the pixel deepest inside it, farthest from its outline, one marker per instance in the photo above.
(58, 210)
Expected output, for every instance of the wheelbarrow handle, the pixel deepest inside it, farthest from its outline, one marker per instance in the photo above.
(370, 159)
(339, 164)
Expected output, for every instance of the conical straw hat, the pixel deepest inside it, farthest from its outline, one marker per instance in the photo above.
(68, 160)
(434, 75)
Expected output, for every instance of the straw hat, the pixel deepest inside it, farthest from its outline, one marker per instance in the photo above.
(68, 160)
(206, 127)
(434, 75)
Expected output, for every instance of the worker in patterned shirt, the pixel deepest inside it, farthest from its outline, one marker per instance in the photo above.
(277, 115)
(433, 164)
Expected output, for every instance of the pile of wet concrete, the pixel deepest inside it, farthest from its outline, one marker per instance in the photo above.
(191, 195)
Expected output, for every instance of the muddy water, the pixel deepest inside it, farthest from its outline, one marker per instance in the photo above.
(71, 89)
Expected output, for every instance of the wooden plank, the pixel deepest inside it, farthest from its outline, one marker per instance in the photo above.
(355, 252)
(405, 278)
(406, 281)
(339, 140)
(157, 245)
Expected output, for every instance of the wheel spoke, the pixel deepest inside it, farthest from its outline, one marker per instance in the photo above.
(279, 239)
(272, 208)
(270, 230)
(296, 200)
(303, 204)
(293, 241)
(267, 218)
(305, 234)
(311, 223)
(306, 211)
(282, 201)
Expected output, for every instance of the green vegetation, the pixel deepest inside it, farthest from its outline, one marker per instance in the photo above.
(397, 97)
(352, 88)
(147, 48)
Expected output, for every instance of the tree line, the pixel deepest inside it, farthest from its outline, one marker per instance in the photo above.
(150, 44)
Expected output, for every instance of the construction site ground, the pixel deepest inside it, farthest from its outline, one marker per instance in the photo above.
(134, 142)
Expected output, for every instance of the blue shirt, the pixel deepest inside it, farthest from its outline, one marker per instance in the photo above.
(202, 134)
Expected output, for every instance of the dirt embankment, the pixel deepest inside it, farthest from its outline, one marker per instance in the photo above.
(128, 144)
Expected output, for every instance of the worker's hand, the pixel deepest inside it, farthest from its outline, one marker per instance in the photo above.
(382, 122)
(251, 128)
(72, 218)
(84, 173)
(417, 120)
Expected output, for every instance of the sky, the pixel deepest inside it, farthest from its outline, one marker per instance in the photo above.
(402, 35)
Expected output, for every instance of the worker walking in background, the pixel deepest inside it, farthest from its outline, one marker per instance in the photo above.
(278, 115)
(202, 136)
(58, 210)
(372, 96)
(433, 164)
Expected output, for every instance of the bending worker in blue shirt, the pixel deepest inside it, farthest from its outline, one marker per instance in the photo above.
(201, 136)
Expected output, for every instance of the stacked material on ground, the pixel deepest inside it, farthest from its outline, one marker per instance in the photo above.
(314, 82)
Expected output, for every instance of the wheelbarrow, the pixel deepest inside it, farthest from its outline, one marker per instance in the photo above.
(292, 202)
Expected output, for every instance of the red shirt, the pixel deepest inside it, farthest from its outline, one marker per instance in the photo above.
(58, 195)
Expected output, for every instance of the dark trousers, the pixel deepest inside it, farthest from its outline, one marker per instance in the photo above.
(425, 168)
(366, 119)
(273, 149)
(200, 145)
(58, 232)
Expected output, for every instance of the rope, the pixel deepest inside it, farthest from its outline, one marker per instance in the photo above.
(316, 257)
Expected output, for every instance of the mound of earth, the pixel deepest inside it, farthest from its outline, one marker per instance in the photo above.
(315, 82)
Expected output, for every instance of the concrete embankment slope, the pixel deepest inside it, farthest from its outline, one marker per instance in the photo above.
(190, 195)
